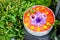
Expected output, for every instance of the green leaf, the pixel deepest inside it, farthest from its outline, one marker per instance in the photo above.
(12, 18)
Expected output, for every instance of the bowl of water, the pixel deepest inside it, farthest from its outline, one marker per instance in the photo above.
(38, 20)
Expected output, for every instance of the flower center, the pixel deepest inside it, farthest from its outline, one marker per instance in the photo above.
(38, 20)
(33, 17)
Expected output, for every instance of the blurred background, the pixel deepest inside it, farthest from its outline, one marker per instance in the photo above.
(11, 18)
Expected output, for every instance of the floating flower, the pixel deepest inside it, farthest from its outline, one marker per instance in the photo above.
(40, 18)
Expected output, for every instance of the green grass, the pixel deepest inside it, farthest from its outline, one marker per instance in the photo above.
(11, 17)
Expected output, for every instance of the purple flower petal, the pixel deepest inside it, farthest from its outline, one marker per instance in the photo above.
(39, 19)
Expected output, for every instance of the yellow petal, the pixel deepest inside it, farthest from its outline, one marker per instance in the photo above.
(46, 12)
(32, 27)
(37, 8)
(43, 8)
(45, 26)
(38, 29)
(26, 24)
(28, 14)
(48, 23)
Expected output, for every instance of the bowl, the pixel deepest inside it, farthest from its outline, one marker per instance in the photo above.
(38, 20)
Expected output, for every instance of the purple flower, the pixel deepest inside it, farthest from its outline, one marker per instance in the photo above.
(38, 19)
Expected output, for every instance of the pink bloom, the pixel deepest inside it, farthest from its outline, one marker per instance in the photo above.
(38, 19)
